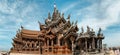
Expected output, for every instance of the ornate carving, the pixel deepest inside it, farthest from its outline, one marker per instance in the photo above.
(57, 35)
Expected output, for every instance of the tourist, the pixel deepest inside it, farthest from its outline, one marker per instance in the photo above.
(117, 52)
(82, 52)
(111, 52)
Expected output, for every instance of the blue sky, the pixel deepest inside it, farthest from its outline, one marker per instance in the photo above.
(95, 13)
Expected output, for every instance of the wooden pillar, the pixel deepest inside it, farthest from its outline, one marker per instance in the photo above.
(100, 44)
(86, 44)
(52, 45)
(93, 43)
(97, 44)
(66, 51)
(58, 42)
(47, 45)
(72, 47)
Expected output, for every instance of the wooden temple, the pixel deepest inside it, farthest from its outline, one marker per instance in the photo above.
(57, 36)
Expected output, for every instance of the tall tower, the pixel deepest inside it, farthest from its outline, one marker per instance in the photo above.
(54, 4)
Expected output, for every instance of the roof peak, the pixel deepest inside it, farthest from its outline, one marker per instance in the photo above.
(54, 4)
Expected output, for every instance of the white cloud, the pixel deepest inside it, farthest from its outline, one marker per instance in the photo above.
(113, 39)
(65, 9)
(32, 25)
(102, 14)
(5, 8)
(2, 37)
(105, 14)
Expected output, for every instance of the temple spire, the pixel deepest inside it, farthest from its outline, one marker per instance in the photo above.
(76, 22)
(49, 17)
(99, 31)
(39, 25)
(68, 19)
(54, 4)
(82, 29)
(22, 27)
(88, 28)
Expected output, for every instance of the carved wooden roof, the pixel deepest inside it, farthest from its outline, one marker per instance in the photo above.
(30, 32)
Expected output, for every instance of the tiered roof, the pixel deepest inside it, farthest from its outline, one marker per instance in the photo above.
(90, 34)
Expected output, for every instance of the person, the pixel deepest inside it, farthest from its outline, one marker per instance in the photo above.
(111, 52)
(82, 52)
(117, 52)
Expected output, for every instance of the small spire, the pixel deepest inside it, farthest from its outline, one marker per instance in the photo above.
(82, 29)
(92, 30)
(18, 30)
(39, 25)
(88, 28)
(49, 17)
(55, 9)
(54, 4)
(72, 23)
(76, 22)
(59, 14)
(39, 22)
(22, 27)
(68, 17)
(62, 15)
(99, 31)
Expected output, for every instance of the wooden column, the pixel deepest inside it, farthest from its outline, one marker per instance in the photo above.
(58, 41)
(100, 44)
(93, 43)
(52, 45)
(47, 45)
(86, 44)
(72, 47)
(66, 47)
(97, 45)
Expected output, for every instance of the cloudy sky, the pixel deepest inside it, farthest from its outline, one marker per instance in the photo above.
(95, 13)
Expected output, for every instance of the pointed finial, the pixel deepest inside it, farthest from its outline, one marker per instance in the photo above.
(49, 17)
(68, 17)
(88, 28)
(39, 22)
(55, 7)
(99, 31)
(22, 27)
(19, 30)
(62, 14)
(59, 14)
(82, 29)
(72, 23)
(54, 4)
(76, 22)
(92, 30)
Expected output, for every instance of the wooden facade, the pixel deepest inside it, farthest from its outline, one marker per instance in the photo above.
(57, 36)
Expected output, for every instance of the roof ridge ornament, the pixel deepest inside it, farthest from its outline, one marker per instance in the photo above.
(62, 15)
(99, 31)
(39, 22)
(82, 29)
(49, 16)
(68, 19)
(54, 4)
(22, 27)
(76, 22)
(88, 28)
